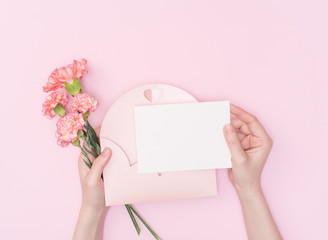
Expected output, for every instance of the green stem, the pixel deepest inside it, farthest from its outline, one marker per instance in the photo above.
(86, 163)
(86, 155)
(97, 152)
(143, 221)
(92, 137)
(133, 219)
(90, 151)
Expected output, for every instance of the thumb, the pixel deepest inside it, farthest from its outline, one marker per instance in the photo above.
(231, 137)
(99, 164)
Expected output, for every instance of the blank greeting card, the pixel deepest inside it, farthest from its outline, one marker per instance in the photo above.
(183, 136)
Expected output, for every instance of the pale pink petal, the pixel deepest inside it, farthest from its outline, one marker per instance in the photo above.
(67, 74)
(67, 128)
(51, 102)
(83, 102)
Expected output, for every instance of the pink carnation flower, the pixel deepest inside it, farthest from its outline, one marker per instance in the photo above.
(59, 76)
(51, 102)
(78, 69)
(67, 128)
(83, 103)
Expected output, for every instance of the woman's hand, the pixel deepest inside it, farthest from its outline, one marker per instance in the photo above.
(93, 209)
(250, 146)
(93, 195)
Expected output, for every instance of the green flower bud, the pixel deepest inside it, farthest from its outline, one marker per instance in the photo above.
(60, 110)
(79, 133)
(76, 142)
(74, 88)
(87, 114)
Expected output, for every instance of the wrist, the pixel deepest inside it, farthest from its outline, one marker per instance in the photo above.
(249, 193)
(90, 223)
(92, 213)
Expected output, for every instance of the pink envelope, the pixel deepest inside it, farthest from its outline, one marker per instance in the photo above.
(123, 183)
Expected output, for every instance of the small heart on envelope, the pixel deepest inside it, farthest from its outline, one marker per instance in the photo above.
(152, 95)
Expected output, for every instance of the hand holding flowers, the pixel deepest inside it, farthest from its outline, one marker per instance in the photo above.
(93, 210)
(73, 127)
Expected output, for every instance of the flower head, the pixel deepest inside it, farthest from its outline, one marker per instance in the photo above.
(67, 128)
(66, 75)
(78, 69)
(51, 103)
(83, 103)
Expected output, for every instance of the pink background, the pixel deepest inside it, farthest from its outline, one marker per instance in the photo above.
(269, 57)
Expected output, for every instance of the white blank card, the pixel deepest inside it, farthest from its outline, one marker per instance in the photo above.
(183, 136)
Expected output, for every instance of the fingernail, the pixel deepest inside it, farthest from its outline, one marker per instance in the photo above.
(227, 128)
(106, 151)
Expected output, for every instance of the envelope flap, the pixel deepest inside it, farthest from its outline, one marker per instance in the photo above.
(123, 184)
(126, 142)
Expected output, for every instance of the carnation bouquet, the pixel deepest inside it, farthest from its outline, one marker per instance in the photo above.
(73, 126)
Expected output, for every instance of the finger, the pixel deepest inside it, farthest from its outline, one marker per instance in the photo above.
(253, 124)
(245, 142)
(236, 150)
(240, 125)
(240, 135)
(97, 130)
(230, 175)
(83, 168)
(250, 141)
(99, 164)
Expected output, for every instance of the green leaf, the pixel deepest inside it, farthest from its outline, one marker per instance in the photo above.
(92, 148)
(92, 132)
(86, 139)
(133, 219)
(90, 137)
(87, 163)
(95, 146)
(143, 221)
(85, 154)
